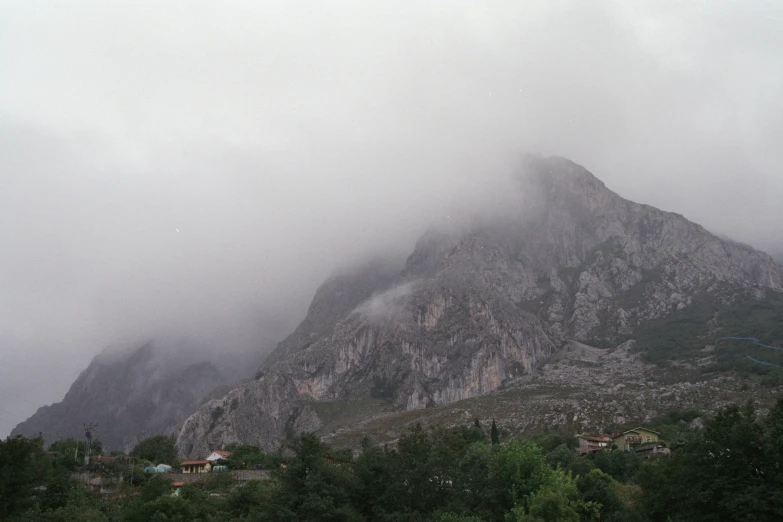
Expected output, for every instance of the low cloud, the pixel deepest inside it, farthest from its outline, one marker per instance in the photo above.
(386, 305)
(196, 173)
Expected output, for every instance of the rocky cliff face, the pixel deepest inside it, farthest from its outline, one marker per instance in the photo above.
(131, 395)
(471, 311)
(336, 298)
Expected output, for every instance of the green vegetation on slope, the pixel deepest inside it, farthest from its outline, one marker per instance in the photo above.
(157, 449)
(703, 329)
(730, 470)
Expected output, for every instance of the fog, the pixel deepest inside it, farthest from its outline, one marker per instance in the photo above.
(194, 169)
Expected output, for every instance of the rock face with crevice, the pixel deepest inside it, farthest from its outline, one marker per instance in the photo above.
(471, 311)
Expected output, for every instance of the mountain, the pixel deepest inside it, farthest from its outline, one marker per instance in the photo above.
(130, 394)
(337, 297)
(474, 311)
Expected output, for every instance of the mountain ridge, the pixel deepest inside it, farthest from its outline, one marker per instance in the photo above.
(130, 394)
(471, 311)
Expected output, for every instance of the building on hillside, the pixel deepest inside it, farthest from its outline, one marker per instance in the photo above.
(653, 450)
(589, 444)
(196, 466)
(218, 455)
(635, 437)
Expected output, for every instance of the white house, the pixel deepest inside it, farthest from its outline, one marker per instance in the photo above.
(218, 455)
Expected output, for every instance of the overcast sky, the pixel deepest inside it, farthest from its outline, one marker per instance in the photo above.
(198, 168)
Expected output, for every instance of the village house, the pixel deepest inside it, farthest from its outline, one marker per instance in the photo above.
(635, 437)
(653, 450)
(177, 488)
(196, 466)
(588, 444)
(218, 455)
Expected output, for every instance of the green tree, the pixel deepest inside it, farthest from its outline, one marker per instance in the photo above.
(516, 471)
(419, 488)
(599, 490)
(67, 513)
(248, 456)
(60, 490)
(620, 465)
(569, 460)
(377, 483)
(163, 508)
(70, 452)
(551, 439)
(156, 487)
(158, 450)
(547, 505)
(494, 434)
(145, 505)
(75, 450)
(447, 516)
(730, 471)
(555, 500)
(23, 467)
(473, 467)
(436, 471)
(259, 500)
(314, 489)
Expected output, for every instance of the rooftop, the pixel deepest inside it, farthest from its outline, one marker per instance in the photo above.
(222, 453)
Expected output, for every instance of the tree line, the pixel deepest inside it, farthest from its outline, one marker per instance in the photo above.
(732, 469)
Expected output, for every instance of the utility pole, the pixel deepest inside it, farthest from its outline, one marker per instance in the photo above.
(133, 464)
(88, 435)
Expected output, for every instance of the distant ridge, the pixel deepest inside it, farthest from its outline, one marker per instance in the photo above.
(130, 393)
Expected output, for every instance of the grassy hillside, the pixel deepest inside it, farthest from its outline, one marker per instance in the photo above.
(726, 337)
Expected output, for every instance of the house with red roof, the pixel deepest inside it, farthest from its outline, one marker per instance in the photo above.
(589, 444)
(218, 455)
(195, 466)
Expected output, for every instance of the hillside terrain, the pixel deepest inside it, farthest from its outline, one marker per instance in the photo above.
(581, 389)
(130, 395)
(477, 320)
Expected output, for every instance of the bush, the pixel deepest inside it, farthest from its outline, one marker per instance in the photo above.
(158, 450)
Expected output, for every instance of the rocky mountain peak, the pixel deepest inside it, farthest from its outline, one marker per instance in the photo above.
(562, 179)
(475, 309)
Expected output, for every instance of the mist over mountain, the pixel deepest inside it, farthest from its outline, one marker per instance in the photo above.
(130, 393)
(477, 308)
(197, 173)
(485, 299)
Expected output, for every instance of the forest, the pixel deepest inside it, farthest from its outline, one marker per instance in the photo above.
(728, 468)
